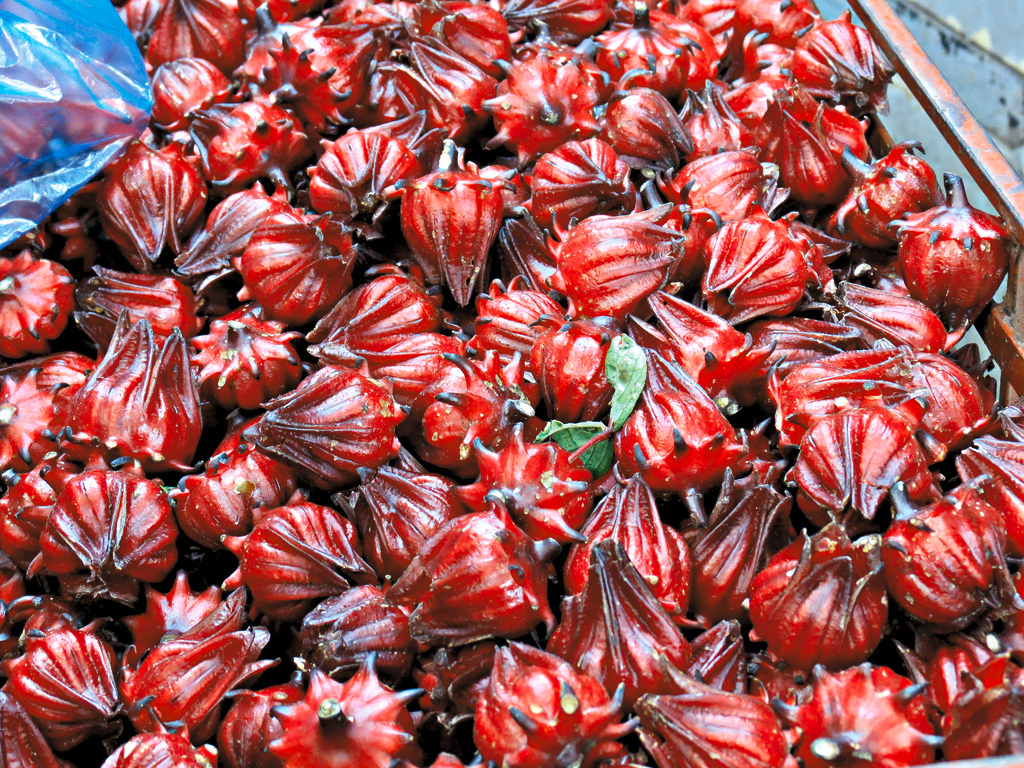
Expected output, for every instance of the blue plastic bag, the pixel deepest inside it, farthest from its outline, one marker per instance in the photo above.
(73, 95)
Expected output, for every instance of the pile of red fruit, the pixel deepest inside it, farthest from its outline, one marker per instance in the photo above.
(547, 383)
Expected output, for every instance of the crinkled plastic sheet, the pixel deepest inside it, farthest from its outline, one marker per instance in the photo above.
(73, 94)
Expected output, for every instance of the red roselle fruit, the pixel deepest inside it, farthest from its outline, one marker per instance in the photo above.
(718, 658)
(643, 127)
(477, 577)
(608, 265)
(566, 20)
(450, 219)
(728, 554)
(341, 633)
(953, 257)
(140, 402)
(1003, 462)
(547, 496)
(568, 362)
(509, 320)
(23, 743)
(712, 124)
(396, 510)
(36, 297)
(729, 183)
(107, 532)
(246, 360)
(865, 714)
(696, 724)
(537, 709)
(904, 321)
(335, 422)
(838, 61)
(197, 28)
(295, 555)
(822, 600)
(359, 722)
(184, 86)
(887, 190)
(755, 268)
(250, 726)
(629, 515)
(946, 563)
(150, 199)
(160, 749)
(66, 680)
(616, 631)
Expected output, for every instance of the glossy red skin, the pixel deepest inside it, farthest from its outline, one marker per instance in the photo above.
(950, 667)
(36, 297)
(1003, 461)
(806, 140)
(250, 726)
(632, 45)
(958, 273)
(279, 10)
(296, 555)
(412, 364)
(647, 445)
(339, 634)
(184, 86)
(107, 532)
(231, 494)
(378, 730)
(616, 631)
(834, 472)
(727, 555)
(168, 616)
(904, 321)
(244, 360)
(298, 266)
(630, 516)
(477, 577)
(712, 123)
(203, 29)
(783, 24)
(26, 411)
(822, 600)
(236, 150)
(451, 81)
(548, 496)
(350, 178)
(729, 183)
(755, 269)
(390, 308)
(608, 265)
(464, 400)
(541, 105)
(841, 381)
(958, 407)
(23, 512)
(215, 249)
(887, 190)
(948, 570)
(569, 21)
(577, 180)
(450, 220)
(838, 61)
(23, 745)
(163, 301)
(396, 511)
(507, 319)
(479, 33)
(150, 199)
(568, 363)
(643, 127)
(165, 677)
(141, 401)
(700, 725)
(335, 422)
(67, 681)
(859, 706)
(693, 334)
(321, 74)
(578, 721)
(985, 720)
(718, 657)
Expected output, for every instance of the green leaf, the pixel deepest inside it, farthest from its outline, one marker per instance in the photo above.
(626, 369)
(597, 458)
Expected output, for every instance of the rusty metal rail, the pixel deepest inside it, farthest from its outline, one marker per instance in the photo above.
(1002, 326)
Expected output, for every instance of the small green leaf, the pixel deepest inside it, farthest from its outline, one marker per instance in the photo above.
(597, 458)
(626, 369)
